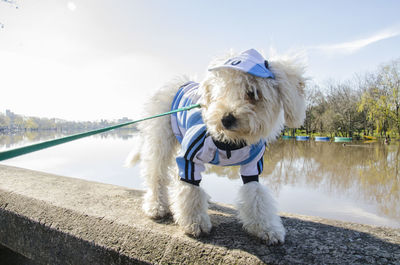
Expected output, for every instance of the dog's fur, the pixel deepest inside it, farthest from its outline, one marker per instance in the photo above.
(274, 102)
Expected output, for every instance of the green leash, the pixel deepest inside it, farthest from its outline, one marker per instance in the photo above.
(39, 146)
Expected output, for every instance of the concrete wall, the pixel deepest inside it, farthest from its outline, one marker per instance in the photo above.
(57, 220)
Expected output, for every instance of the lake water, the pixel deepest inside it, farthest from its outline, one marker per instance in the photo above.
(357, 182)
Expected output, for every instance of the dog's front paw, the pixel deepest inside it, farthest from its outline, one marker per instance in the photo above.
(258, 213)
(271, 236)
(190, 206)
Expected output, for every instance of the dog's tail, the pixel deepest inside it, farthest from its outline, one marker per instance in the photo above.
(134, 156)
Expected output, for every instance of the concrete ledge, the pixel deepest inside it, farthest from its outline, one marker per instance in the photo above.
(57, 220)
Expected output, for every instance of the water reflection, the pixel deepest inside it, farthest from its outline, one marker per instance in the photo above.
(29, 137)
(366, 172)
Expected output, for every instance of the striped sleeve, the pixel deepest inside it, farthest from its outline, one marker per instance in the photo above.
(192, 143)
(256, 165)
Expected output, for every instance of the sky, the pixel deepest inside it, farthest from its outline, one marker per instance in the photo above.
(95, 59)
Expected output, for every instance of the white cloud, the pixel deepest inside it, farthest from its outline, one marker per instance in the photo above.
(355, 45)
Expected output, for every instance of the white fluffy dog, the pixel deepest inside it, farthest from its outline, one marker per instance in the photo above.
(245, 102)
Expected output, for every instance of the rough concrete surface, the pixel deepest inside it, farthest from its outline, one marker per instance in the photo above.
(58, 220)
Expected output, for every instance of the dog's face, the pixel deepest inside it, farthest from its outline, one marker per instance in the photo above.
(237, 106)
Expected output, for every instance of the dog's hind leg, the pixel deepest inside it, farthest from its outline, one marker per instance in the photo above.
(158, 150)
(156, 159)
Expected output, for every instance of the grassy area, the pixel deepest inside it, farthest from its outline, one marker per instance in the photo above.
(299, 132)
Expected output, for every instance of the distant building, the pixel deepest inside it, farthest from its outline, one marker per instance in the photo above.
(123, 120)
(9, 113)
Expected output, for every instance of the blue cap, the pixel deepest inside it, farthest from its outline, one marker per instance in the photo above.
(250, 61)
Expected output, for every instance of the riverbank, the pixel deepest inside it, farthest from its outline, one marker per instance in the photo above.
(58, 220)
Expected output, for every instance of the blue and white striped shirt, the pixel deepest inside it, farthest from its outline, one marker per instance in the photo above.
(198, 147)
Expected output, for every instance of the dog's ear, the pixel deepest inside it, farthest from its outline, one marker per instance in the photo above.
(289, 75)
(205, 93)
(207, 85)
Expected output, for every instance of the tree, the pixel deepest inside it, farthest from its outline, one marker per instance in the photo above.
(4, 122)
(342, 100)
(18, 122)
(381, 99)
(390, 82)
(31, 124)
(318, 111)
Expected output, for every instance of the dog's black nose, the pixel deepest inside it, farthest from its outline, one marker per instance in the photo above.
(229, 121)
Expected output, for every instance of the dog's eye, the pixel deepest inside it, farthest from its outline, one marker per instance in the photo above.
(251, 95)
